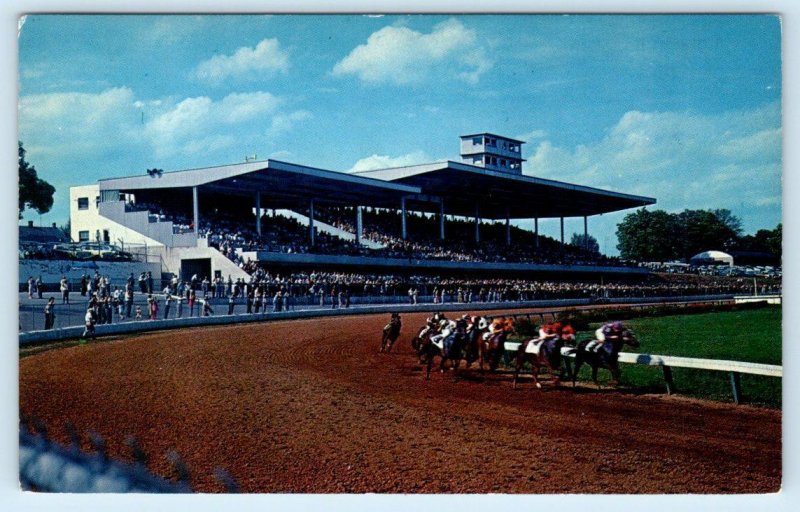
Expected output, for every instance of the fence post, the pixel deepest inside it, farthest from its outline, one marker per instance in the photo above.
(668, 379)
(736, 387)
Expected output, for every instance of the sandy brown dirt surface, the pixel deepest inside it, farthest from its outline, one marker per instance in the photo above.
(311, 406)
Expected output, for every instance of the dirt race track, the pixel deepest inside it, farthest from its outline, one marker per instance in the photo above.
(310, 406)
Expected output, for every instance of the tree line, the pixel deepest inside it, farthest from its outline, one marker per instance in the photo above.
(660, 236)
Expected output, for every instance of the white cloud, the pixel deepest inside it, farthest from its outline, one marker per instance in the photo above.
(384, 161)
(532, 135)
(283, 123)
(266, 58)
(685, 160)
(399, 55)
(72, 123)
(83, 126)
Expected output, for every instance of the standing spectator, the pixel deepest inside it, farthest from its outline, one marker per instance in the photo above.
(179, 301)
(50, 313)
(190, 301)
(109, 309)
(84, 285)
(64, 287)
(250, 302)
(149, 282)
(167, 303)
(230, 305)
(276, 302)
(128, 300)
(207, 311)
(30, 287)
(258, 300)
(39, 286)
(321, 294)
(153, 304)
(131, 281)
(204, 286)
(89, 320)
(143, 282)
(334, 296)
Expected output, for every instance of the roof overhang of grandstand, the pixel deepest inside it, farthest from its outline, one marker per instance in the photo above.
(498, 193)
(281, 184)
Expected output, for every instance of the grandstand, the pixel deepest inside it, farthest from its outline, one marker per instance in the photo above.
(438, 218)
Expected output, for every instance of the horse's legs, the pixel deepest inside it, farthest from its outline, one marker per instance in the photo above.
(614, 375)
(535, 374)
(383, 342)
(429, 364)
(578, 364)
(517, 368)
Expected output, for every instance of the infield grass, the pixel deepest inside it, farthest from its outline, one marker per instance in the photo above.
(747, 335)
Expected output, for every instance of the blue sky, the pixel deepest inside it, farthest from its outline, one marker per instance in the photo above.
(686, 109)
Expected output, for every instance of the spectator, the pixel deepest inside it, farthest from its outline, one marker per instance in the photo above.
(50, 313)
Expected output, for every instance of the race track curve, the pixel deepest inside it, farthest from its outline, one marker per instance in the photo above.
(310, 406)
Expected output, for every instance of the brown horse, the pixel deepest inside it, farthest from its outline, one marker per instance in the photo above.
(452, 348)
(391, 332)
(548, 354)
(492, 345)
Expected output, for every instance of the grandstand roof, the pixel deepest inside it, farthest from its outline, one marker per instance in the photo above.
(524, 196)
(281, 184)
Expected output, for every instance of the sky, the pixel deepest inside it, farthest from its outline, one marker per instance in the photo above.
(683, 108)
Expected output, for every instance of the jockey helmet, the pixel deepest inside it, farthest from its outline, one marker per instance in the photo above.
(616, 326)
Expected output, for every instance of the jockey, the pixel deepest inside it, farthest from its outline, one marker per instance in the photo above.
(447, 328)
(608, 331)
(549, 331)
(567, 333)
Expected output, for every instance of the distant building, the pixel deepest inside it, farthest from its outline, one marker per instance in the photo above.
(42, 235)
(493, 152)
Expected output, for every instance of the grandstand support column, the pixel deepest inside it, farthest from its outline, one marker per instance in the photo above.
(311, 221)
(477, 222)
(585, 233)
(403, 231)
(536, 232)
(258, 212)
(508, 227)
(195, 212)
(562, 233)
(359, 225)
(441, 219)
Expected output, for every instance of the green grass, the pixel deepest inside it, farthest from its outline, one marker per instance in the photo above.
(749, 335)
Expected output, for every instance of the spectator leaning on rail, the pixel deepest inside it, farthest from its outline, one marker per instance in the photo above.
(90, 319)
(49, 313)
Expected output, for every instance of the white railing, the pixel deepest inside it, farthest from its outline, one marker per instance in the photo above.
(734, 368)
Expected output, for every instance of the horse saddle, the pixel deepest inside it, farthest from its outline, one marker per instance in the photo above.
(534, 346)
(593, 346)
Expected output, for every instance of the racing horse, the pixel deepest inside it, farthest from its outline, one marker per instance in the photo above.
(492, 344)
(544, 353)
(431, 324)
(451, 349)
(391, 332)
(606, 356)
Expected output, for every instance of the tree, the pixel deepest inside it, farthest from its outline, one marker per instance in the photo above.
(585, 242)
(34, 193)
(647, 236)
(702, 230)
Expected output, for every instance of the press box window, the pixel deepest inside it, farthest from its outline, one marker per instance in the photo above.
(83, 203)
(83, 236)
